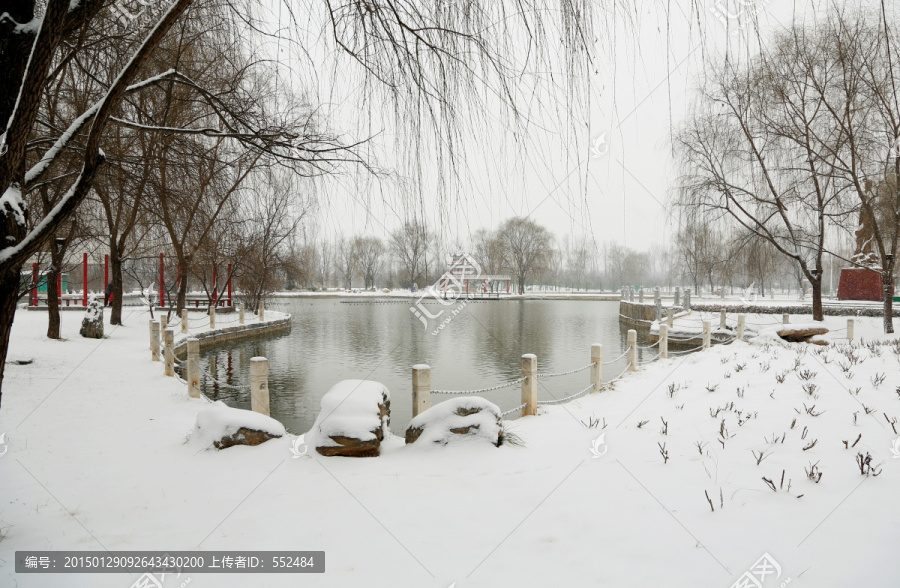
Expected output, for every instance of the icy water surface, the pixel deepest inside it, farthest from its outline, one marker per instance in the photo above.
(481, 346)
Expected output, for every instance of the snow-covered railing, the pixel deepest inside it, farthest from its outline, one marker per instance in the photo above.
(259, 366)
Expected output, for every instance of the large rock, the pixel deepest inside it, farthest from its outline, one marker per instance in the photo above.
(92, 323)
(457, 419)
(801, 333)
(354, 420)
(220, 426)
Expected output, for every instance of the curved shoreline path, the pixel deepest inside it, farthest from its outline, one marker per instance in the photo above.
(96, 459)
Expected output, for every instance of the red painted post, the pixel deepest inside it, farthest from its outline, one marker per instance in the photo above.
(162, 282)
(84, 281)
(467, 286)
(105, 273)
(59, 285)
(507, 286)
(214, 286)
(34, 284)
(229, 288)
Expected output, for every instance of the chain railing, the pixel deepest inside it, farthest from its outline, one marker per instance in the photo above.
(581, 369)
(481, 390)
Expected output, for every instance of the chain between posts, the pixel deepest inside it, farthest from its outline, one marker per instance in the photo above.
(581, 369)
(497, 387)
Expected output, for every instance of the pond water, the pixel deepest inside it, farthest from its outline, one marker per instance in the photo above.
(333, 340)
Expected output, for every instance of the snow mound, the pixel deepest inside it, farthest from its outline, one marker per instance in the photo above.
(457, 419)
(355, 415)
(218, 425)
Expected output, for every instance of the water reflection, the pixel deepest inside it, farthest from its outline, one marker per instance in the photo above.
(481, 346)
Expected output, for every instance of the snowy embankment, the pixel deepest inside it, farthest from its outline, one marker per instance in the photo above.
(97, 458)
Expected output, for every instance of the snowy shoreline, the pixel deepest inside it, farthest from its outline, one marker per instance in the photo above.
(96, 459)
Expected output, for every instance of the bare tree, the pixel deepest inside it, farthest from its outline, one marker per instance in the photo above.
(410, 244)
(749, 152)
(371, 253)
(529, 245)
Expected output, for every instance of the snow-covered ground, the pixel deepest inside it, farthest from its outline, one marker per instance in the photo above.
(97, 458)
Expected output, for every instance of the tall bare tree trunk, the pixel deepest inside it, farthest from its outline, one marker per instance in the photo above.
(818, 313)
(887, 284)
(115, 266)
(53, 295)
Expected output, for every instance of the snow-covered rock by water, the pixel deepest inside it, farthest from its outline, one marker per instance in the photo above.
(220, 426)
(354, 420)
(456, 419)
(802, 332)
(92, 323)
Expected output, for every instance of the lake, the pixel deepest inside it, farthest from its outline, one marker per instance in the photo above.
(334, 339)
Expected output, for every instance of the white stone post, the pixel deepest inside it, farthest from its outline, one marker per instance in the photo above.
(742, 321)
(707, 328)
(262, 311)
(154, 340)
(193, 367)
(529, 384)
(850, 325)
(421, 388)
(641, 295)
(184, 321)
(597, 367)
(259, 385)
(722, 319)
(670, 318)
(664, 341)
(786, 318)
(169, 336)
(632, 350)
(212, 317)
(687, 300)
(241, 313)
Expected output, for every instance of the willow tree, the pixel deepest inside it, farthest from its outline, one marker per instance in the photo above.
(749, 155)
(435, 62)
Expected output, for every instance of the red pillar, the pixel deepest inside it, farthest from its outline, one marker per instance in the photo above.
(84, 283)
(229, 288)
(162, 282)
(214, 286)
(59, 285)
(467, 286)
(34, 284)
(105, 273)
(507, 286)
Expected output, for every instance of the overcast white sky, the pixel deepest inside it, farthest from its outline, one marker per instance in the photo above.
(642, 81)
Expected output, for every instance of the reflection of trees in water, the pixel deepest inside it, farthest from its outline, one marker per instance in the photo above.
(480, 346)
(503, 331)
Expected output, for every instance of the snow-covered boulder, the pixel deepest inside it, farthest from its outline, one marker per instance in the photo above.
(92, 323)
(455, 419)
(801, 333)
(220, 426)
(354, 420)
